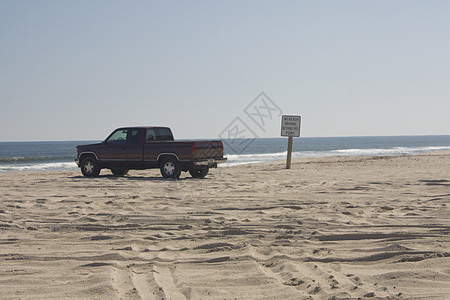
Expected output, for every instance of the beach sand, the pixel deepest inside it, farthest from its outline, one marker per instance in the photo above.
(329, 228)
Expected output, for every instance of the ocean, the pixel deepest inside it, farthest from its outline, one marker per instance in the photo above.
(54, 156)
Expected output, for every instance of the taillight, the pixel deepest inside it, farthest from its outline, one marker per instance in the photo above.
(193, 149)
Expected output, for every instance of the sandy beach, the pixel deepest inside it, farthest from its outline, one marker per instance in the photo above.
(329, 228)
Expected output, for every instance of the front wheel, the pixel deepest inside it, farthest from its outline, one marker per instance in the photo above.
(89, 167)
(170, 168)
(199, 172)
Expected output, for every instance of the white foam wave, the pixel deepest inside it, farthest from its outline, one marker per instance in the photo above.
(239, 159)
(57, 166)
(391, 151)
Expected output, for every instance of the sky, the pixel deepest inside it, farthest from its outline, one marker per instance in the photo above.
(76, 70)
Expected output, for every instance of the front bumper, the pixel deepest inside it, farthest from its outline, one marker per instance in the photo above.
(210, 162)
(77, 161)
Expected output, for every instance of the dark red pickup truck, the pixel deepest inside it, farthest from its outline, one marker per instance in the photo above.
(148, 148)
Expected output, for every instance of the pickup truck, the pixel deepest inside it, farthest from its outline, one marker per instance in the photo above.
(141, 148)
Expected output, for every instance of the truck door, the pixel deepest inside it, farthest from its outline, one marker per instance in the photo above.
(150, 153)
(135, 148)
(115, 146)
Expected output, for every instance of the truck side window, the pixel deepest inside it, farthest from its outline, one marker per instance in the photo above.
(118, 137)
(163, 134)
(134, 137)
(150, 135)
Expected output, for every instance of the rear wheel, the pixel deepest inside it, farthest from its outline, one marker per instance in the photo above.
(89, 167)
(119, 172)
(199, 172)
(170, 168)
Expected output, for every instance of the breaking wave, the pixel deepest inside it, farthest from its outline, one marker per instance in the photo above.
(238, 159)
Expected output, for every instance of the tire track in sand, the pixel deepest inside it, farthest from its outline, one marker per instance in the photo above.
(145, 283)
(164, 278)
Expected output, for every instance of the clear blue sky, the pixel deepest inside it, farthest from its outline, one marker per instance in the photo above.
(73, 70)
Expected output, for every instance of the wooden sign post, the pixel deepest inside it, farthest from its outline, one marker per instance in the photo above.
(290, 127)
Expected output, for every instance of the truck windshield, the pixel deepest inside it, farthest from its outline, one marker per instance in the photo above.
(159, 134)
(118, 137)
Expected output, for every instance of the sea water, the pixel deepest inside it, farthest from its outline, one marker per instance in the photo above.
(53, 156)
(38, 156)
(271, 149)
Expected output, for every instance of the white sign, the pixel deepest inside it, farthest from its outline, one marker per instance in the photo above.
(290, 126)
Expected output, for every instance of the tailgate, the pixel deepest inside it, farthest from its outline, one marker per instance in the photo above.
(208, 149)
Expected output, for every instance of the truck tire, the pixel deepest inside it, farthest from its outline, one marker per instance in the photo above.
(199, 172)
(119, 172)
(89, 167)
(170, 168)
